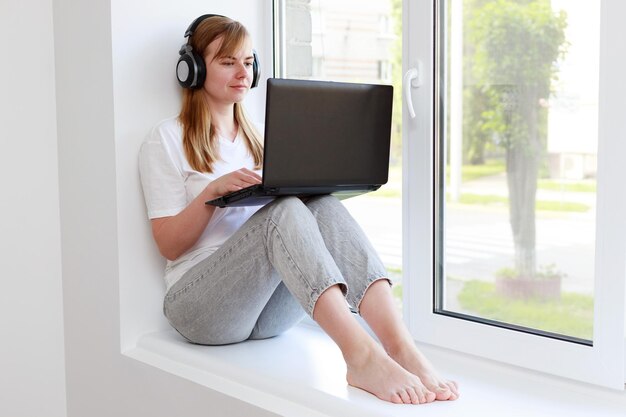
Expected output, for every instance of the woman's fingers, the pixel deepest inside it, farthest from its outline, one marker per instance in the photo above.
(235, 181)
(245, 178)
(251, 174)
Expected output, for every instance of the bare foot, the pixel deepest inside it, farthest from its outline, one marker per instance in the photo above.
(411, 359)
(374, 371)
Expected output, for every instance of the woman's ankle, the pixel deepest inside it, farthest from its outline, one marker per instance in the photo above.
(400, 346)
(361, 353)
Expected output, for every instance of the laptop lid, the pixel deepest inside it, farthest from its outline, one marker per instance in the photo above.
(320, 133)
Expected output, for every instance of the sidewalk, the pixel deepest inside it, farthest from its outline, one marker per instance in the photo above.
(479, 239)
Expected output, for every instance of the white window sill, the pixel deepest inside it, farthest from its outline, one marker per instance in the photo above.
(302, 373)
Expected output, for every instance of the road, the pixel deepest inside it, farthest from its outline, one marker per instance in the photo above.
(479, 240)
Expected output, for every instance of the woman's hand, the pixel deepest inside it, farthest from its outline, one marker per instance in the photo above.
(233, 181)
(174, 235)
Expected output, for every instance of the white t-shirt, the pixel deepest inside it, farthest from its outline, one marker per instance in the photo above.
(170, 184)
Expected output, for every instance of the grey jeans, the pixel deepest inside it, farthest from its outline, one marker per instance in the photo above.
(264, 278)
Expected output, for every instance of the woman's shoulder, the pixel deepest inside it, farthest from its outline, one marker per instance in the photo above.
(166, 131)
(165, 138)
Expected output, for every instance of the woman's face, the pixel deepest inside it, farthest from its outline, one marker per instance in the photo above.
(228, 78)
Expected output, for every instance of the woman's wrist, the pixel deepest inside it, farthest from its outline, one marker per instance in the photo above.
(209, 193)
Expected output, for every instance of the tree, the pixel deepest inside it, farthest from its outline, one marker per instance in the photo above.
(516, 47)
(476, 139)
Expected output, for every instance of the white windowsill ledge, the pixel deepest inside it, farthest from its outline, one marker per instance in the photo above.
(302, 373)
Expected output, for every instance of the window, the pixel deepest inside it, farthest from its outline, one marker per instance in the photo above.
(517, 150)
(353, 41)
(459, 192)
(511, 173)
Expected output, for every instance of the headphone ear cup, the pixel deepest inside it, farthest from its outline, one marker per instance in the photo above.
(200, 70)
(256, 70)
(190, 69)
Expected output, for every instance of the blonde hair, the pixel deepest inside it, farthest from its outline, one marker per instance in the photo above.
(199, 135)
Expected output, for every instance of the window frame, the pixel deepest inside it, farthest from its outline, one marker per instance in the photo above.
(600, 364)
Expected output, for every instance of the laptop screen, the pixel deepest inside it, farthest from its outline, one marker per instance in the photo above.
(320, 133)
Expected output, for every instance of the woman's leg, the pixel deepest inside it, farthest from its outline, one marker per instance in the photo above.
(298, 235)
(350, 248)
(221, 299)
(368, 366)
(369, 294)
(379, 311)
(235, 293)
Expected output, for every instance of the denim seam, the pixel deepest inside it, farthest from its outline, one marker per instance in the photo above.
(288, 254)
(371, 280)
(316, 293)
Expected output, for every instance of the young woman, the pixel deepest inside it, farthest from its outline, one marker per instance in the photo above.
(251, 273)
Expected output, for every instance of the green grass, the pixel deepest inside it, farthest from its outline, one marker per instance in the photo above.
(396, 290)
(489, 199)
(495, 166)
(396, 275)
(493, 200)
(571, 316)
(472, 172)
(575, 187)
(393, 189)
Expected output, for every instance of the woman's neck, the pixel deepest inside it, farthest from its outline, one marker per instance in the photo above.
(223, 121)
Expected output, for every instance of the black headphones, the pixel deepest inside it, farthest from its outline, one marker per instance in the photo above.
(191, 69)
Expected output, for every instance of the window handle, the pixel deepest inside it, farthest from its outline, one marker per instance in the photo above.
(412, 78)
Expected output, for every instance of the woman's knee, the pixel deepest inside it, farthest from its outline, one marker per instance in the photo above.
(325, 202)
(287, 208)
(289, 202)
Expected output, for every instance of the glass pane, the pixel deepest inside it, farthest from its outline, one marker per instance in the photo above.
(517, 145)
(355, 41)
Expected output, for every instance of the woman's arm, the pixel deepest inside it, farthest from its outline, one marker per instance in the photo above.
(174, 235)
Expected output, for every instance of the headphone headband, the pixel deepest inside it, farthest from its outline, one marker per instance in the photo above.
(191, 68)
(192, 27)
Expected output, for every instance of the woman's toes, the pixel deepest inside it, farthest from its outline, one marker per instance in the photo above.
(406, 398)
(413, 395)
(455, 388)
(430, 396)
(395, 398)
(442, 392)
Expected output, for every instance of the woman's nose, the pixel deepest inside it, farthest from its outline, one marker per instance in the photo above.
(242, 70)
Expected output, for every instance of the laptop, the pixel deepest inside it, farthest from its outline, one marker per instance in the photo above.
(321, 137)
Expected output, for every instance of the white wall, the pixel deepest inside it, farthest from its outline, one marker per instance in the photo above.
(146, 38)
(32, 378)
(68, 174)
